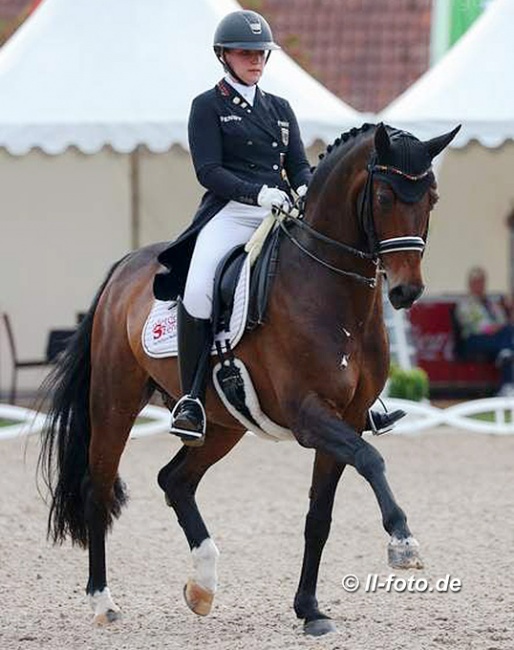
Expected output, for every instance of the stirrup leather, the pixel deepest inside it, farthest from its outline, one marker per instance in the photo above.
(188, 432)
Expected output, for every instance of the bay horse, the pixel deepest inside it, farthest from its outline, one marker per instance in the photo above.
(318, 363)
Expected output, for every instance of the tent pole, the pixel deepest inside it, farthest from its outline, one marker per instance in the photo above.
(135, 225)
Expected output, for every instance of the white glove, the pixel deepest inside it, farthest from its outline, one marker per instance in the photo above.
(272, 197)
(301, 191)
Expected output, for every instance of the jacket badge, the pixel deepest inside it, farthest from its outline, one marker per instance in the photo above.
(284, 131)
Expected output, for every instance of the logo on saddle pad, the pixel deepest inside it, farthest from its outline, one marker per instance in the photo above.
(165, 327)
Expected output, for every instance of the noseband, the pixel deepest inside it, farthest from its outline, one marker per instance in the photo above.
(377, 247)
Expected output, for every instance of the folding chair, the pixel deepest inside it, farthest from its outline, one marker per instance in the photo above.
(18, 364)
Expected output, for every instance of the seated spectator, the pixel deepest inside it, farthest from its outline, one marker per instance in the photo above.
(486, 329)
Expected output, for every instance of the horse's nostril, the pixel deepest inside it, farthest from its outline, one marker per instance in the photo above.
(404, 295)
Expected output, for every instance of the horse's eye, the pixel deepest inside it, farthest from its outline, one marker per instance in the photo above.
(385, 200)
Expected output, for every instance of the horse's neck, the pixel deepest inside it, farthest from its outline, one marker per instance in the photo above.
(329, 299)
(334, 208)
(337, 219)
(334, 212)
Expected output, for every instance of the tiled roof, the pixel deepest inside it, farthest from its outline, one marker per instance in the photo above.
(11, 9)
(366, 52)
(12, 14)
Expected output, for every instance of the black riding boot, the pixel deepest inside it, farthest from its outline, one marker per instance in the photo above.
(194, 346)
(380, 423)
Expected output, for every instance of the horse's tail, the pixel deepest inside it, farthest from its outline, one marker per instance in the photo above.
(63, 459)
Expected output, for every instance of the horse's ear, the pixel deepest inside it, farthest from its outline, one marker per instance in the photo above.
(382, 142)
(436, 145)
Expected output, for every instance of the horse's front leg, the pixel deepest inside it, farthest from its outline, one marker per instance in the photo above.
(325, 477)
(318, 426)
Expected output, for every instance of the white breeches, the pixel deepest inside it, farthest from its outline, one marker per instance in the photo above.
(233, 225)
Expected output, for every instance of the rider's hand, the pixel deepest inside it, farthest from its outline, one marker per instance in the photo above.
(272, 197)
(301, 191)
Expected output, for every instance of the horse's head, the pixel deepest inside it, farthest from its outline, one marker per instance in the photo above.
(399, 194)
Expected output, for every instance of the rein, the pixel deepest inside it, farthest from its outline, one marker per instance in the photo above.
(298, 221)
(378, 248)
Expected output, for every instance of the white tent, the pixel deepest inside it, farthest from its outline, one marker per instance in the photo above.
(124, 72)
(94, 102)
(472, 85)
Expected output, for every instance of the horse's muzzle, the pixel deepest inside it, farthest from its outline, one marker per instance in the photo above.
(402, 296)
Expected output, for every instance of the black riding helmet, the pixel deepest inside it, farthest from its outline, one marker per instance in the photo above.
(243, 30)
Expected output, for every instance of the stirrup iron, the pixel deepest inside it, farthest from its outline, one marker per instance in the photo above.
(380, 423)
(188, 432)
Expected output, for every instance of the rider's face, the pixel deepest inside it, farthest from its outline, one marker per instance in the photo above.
(247, 64)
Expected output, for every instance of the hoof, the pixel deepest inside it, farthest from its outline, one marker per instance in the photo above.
(404, 554)
(319, 627)
(105, 611)
(106, 618)
(198, 599)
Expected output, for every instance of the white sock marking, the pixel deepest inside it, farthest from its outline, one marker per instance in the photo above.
(101, 601)
(407, 541)
(205, 558)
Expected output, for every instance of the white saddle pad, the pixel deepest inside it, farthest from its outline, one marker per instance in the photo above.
(159, 335)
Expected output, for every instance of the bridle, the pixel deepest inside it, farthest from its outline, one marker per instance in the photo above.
(376, 247)
(395, 244)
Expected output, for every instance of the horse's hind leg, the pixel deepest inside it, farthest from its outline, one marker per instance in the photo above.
(116, 397)
(179, 480)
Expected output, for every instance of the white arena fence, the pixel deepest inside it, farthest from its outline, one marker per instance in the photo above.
(489, 415)
(466, 416)
(29, 422)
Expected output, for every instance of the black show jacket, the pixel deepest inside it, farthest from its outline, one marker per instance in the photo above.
(236, 149)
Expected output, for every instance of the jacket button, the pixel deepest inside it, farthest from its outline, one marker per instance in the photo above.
(249, 143)
(252, 165)
(275, 167)
(274, 144)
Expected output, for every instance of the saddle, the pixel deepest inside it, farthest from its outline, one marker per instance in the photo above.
(229, 373)
(261, 280)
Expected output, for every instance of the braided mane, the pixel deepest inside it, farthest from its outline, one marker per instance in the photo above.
(328, 159)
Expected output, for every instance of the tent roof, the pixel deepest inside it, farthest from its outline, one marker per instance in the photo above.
(91, 73)
(472, 85)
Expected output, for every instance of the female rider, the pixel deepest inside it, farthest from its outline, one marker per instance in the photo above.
(248, 154)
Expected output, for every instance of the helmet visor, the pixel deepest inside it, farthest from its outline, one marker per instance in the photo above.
(245, 45)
